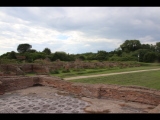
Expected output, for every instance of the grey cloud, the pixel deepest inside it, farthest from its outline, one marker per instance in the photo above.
(94, 22)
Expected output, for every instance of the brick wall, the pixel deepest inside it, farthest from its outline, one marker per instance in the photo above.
(134, 94)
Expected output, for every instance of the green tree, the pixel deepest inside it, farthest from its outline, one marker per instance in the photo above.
(149, 57)
(47, 51)
(81, 57)
(32, 51)
(30, 57)
(90, 56)
(12, 55)
(130, 45)
(158, 47)
(60, 55)
(145, 46)
(141, 53)
(101, 55)
(118, 51)
(22, 48)
(158, 57)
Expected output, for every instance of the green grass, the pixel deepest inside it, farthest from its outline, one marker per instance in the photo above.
(86, 72)
(29, 74)
(102, 71)
(149, 79)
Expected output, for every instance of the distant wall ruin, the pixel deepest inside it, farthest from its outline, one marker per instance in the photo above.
(38, 68)
(10, 69)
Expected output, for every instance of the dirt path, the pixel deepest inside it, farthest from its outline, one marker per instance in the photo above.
(89, 76)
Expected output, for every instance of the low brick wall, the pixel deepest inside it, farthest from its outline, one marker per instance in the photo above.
(74, 88)
(134, 94)
(16, 83)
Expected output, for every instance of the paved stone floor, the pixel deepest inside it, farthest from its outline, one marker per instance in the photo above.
(32, 103)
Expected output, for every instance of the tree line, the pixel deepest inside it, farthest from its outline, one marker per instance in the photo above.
(130, 50)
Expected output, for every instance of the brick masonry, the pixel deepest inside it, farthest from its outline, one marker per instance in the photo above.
(133, 93)
(1, 88)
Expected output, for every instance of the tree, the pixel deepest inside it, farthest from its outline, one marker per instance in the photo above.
(81, 57)
(32, 51)
(158, 47)
(22, 48)
(130, 45)
(60, 55)
(90, 56)
(12, 55)
(149, 57)
(30, 57)
(145, 46)
(141, 53)
(101, 55)
(118, 51)
(47, 51)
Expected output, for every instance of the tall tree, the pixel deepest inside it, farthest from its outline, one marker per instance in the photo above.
(101, 55)
(12, 55)
(145, 46)
(32, 51)
(149, 57)
(130, 45)
(158, 47)
(47, 51)
(22, 48)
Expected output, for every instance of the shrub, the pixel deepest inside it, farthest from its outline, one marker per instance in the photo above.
(55, 72)
(66, 71)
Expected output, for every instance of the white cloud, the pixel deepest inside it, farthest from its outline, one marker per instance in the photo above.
(148, 40)
(77, 29)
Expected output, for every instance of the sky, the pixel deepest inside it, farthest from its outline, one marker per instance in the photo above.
(77, 29)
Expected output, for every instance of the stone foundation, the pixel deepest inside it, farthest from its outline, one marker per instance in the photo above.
(134, 94)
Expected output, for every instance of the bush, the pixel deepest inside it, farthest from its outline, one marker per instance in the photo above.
(55, 72)
(31, 72)
(149, 57)
(66, 71)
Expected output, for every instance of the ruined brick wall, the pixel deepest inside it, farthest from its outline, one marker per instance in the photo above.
(27, 68)
(74, 88)
(134, 94)
(35, 68)
(15, 83)
(10, 70)
(1, 88)
(22, 69)
(40, 69)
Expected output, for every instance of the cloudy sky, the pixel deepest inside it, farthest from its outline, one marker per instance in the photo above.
(77, 29)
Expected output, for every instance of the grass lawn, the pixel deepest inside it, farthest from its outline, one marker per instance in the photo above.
(101, 71)
(149, 79)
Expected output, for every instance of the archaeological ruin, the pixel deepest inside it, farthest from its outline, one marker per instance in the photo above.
(12, 77)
